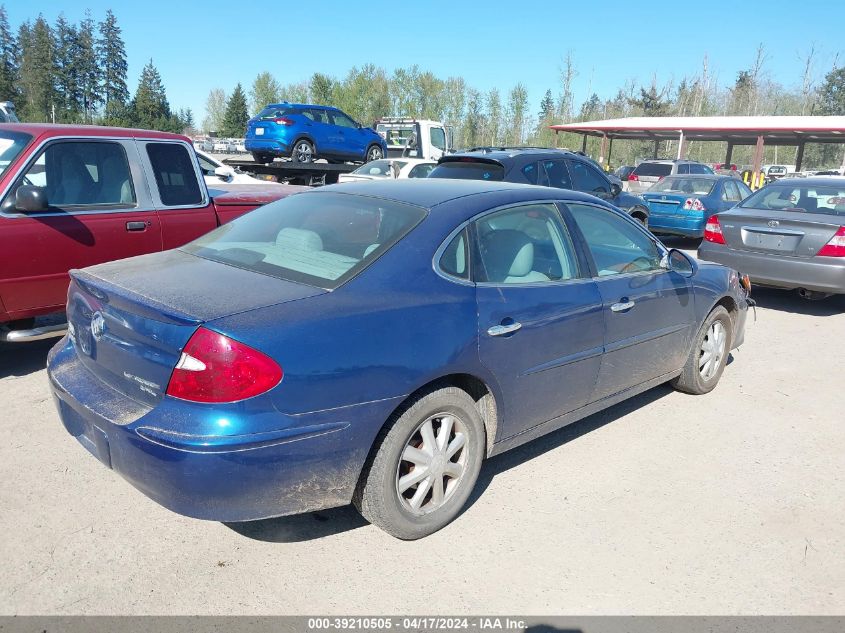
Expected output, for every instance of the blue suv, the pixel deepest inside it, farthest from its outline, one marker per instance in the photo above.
(307, 132)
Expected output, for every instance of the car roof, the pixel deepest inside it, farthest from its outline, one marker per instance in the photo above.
(703, 176)
(827, 181)
(499, 153)
(669, 161)
(49, 130)
(285, 104)
(430, 192)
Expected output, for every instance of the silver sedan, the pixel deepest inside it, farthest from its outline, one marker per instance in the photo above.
(789, 234)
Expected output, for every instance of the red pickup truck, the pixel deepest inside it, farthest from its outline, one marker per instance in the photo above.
(73, 196)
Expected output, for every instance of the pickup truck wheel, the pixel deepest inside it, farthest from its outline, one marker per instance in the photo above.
(303, 152)
(259, 157)
(373, 153)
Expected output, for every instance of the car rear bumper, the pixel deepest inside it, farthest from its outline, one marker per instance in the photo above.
(822, 274)
(311, 462)
(676, 225)
(269, 145)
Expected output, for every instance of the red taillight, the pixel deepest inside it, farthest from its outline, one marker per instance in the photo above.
(633, 176)
(283, 121)
(713, 230)
(216, 368)
(695, 204)
(836, 246)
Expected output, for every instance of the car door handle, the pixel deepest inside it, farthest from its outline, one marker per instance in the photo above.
(501, 330)
(622, 306)
(136, 226)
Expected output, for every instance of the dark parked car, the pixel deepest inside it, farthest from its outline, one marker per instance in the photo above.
(308, 132)
(789, 234)
(374, 342)
(680, 205)
(561, 169)
(623, 172)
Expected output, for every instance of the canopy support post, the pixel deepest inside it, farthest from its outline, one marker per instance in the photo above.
(656, 147)
(682, 146)
(758, 162)
(728, 156)
(584, 143)
(609, 152)
(799, 156)
(603, 148)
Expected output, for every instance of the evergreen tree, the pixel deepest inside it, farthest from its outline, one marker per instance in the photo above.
(494, 118)
(150, 109)
(517, 113)
(265, 90)
(8, 59)
(111, 57)
(547, 107)
(69, 97)
(88, 70)
(237, 115)
(37, 70)
(322, 88)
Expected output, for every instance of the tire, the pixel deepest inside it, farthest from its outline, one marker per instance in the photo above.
(260, 157)
(378, 497)
(698, 378)
(303, 152)
(640, 215)
(374, 152)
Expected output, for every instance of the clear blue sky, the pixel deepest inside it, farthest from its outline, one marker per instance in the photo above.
(199, 46)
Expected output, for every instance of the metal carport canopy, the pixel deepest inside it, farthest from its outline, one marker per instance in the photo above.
(737, 130)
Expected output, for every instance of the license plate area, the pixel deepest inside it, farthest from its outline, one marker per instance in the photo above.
(259, 131)
(775, 242)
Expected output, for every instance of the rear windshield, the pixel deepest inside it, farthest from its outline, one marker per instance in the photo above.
(11, 145)
(697, 186)
(468, 170)
(379, 168)
(274, 112)
(653, 169)
(321, 239)
(801, 199)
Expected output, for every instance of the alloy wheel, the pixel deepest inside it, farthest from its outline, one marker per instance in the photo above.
(432, 464)
(712, 350)
(304, 153)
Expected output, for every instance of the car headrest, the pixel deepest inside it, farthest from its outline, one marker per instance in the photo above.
(508, 253)
(299, 239)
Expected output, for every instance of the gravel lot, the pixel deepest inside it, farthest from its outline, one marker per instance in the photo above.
(730, 503)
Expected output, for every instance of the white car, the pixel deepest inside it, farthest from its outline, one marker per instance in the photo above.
(390, 168)
(217, 174)
(220, 146)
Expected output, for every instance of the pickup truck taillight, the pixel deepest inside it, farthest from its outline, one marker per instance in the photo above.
(836, 246)
(214, 368)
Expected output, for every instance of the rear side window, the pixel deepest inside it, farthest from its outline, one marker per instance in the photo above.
(174, 174)
(454, 260)
(469, 170)
(83, 173)
(653, 169)
(683, 169)
(555, 174)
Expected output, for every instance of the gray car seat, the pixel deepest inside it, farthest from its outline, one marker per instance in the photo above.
(508, 257)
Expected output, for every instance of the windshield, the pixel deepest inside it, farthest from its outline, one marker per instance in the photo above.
(653, 169)
(379, 168)
(11, 145)
(321, 239)
(470, 170)
(697, 186)
(801, 199)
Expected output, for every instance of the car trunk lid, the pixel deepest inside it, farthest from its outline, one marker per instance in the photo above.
(667, 204)
(130, 320)
(796, 234)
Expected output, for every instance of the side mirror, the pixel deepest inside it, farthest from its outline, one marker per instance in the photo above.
(31, 199)
(224, 173)
(679, 262)
(615, 189)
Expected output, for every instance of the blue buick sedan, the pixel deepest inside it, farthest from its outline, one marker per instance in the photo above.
(373, 342)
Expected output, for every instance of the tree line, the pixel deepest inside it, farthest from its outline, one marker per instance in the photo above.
(76, 73)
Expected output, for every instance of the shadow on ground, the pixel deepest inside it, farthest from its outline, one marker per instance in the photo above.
(21, 359)
(315, 525)
(789, 301)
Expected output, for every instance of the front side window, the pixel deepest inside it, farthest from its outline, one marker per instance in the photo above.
(82, 173)
(321, 239)
(342, 120)
(174, 174)
(683, 168)
(421, 171)
(525, 244)
(586, 178)
(617, 245)
(379, 167)
(438, 138)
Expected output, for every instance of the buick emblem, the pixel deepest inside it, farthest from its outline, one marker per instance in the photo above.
(98, 326)
(774, 223)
